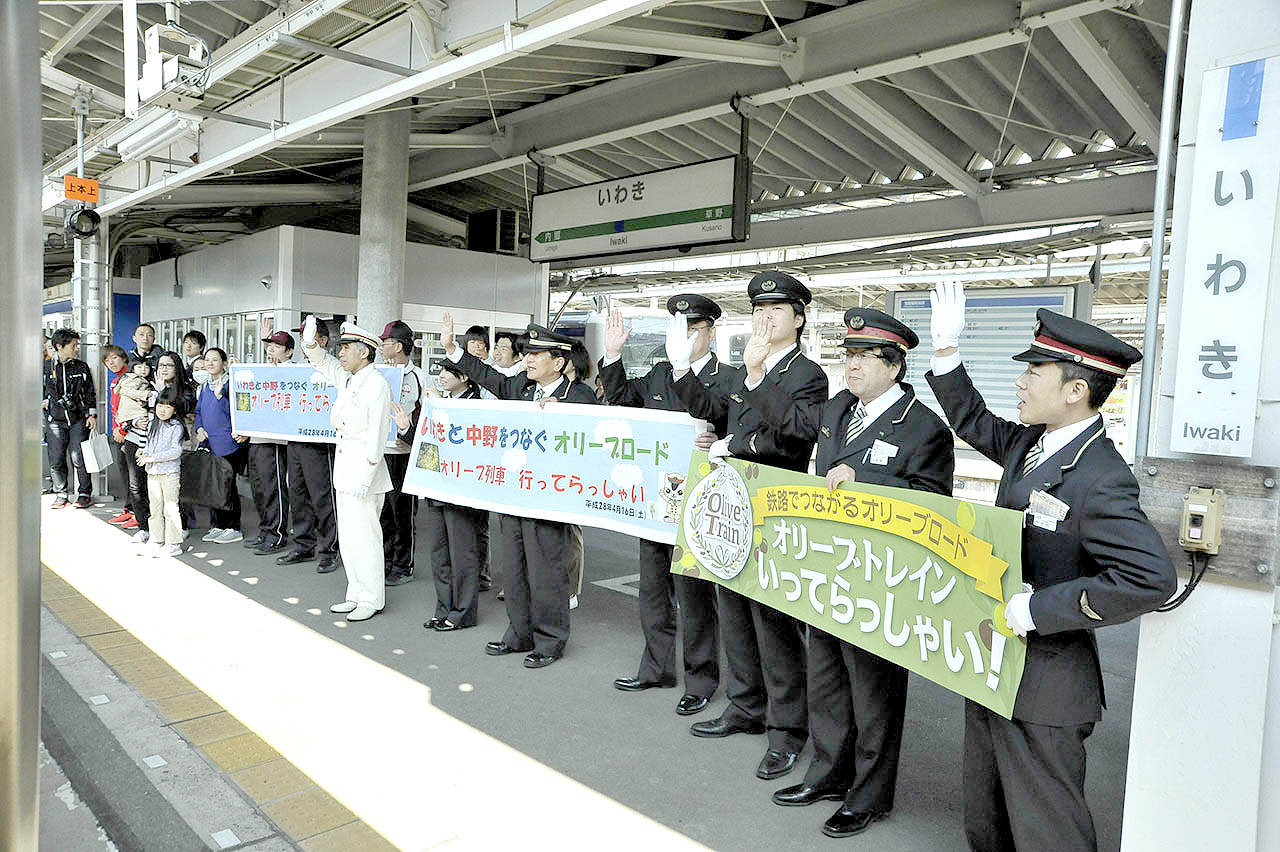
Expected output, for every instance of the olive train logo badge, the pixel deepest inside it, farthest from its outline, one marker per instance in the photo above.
(717, 522)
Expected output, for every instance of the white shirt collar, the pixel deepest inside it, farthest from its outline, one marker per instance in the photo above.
(883, 402)
(772, 361)
(548, 390)
(697, 366)
(1059, 438)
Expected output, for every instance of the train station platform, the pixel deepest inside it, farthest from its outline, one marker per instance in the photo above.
(282, 726)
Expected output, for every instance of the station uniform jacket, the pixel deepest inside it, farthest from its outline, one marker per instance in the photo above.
(537, 562)
(857, 699)
(361, 414)
(659, 588)
(1103, 564)
(775, 423)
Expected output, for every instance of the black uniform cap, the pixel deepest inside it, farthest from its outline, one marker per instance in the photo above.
(542, 339)
(1062, 338)
(693, 306)
(775, 286)
(867, 327)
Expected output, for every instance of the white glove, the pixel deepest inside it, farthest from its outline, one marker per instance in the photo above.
(946, 322)
(1017, 612)
(309, 331)
(361, 491)
(719, 451)
(679, 343)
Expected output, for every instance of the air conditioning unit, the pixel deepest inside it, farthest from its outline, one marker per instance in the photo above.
(494, 231)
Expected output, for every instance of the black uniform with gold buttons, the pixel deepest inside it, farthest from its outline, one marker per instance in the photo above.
(659, 588)
(857, 699)
(774, 423)
(535, 553)
(1101, 563)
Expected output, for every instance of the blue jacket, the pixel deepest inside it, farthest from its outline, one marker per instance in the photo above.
(214, 416)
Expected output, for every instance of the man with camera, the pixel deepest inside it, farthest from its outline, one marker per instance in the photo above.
(71, 414)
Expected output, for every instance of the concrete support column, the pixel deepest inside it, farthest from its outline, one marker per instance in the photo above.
(20, 258)
(383, 200)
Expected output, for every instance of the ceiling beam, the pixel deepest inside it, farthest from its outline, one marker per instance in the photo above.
(78, 31)
(897, 131)
(632, 40)
(1089, 53)
(69, 84)
(299, 43)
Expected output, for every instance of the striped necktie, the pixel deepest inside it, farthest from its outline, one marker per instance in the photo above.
(1033, 456)
(538, 394)
(856, 423)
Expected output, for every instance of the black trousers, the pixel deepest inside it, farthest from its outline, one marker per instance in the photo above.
(64, 440)
(399, 511)
(659, 592)
(536, 557)
(315, 529)
(268, 474)
(455, 560)
(1024, 785)
(230, 517)
(486, 575)
(139, 497)
(856, 704)
(765, 653)
(120, 459)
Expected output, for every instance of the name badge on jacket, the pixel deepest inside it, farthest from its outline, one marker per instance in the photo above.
(1046, 510)
(882, 451)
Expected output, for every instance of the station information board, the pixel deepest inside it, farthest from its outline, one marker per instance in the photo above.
(689, 205)
(998, 326)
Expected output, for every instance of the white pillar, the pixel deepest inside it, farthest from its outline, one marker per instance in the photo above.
(383, 202)
(1204, 752)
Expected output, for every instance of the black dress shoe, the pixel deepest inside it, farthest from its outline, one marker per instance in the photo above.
(328, 564)
(802, 794)
(846, 822)
(251, 543)
(497, 649)
(722, 727)
(775, 764)
(398, 579)
(295, 557)
(446, 625)
(536, 660)
(635, 684)
(486, 585)
(264, 548)
(432, 623)
(690, 704)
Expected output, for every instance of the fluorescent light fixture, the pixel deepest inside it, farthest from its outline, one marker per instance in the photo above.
(155, 133)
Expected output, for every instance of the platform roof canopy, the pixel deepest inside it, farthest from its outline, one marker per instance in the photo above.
(869, 119)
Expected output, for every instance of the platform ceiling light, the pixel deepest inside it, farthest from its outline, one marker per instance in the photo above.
(166, 128)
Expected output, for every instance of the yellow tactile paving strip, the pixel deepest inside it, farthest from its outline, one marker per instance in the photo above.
(307, 814)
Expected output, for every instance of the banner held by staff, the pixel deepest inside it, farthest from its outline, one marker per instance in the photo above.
(291, 401)
(617, 469)
(917, 578)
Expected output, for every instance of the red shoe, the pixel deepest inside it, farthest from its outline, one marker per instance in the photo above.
(61, 503)
(130, 525)
(123, 518)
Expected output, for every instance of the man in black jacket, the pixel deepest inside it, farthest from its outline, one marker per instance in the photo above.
(875, 431)
(144, 340)
(689, 337)
(772, 416)
(71, 414)
(1090, 558)
(537, 552)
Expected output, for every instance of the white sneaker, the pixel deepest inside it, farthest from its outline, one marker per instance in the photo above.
(228, 536)
(212, 534)
(345, 606)
(141, 537)
(171, 550)
(361, 613)
(154, 549)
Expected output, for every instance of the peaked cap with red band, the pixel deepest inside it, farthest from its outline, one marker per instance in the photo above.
(867, 327)
(1061, 338)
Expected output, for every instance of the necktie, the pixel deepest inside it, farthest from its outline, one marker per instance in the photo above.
(538, 394)
(856, 423)
(1033, 456)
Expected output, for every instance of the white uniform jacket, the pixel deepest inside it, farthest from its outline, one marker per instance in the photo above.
(362, 417)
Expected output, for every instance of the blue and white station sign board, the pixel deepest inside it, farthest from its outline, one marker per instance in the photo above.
(1228, 266)
(702, 203)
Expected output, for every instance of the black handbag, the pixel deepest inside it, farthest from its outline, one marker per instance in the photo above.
(206, 480)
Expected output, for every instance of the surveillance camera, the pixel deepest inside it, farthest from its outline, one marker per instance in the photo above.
(266, 281)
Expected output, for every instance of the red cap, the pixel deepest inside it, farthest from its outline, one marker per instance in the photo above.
(283, 338)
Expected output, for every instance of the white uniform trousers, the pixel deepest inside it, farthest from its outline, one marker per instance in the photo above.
(360, 543)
